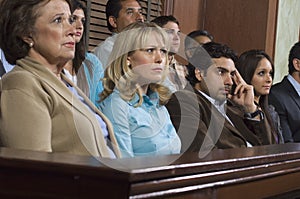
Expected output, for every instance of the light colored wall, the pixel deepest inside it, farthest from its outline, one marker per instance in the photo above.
(288, 26)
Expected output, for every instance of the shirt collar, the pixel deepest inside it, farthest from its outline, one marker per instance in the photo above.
(8, 67)
(213, 101)
(295, 84)
(152, 98)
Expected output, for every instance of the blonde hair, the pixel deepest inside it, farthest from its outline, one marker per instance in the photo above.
(119, 74)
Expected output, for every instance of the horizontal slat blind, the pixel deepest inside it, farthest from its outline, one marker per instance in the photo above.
(97, 31)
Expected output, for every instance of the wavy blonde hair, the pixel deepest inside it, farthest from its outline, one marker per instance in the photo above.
(119, 74)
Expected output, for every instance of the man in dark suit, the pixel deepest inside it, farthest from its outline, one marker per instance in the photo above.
(285, 97)
(206, 115)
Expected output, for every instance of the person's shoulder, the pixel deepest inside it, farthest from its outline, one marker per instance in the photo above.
(280, 86)
(113, 99)
(186, 95)
(93, 58)
(113, 103)
(108, 41)
(19, 78)
(24, 82)
(182, 93)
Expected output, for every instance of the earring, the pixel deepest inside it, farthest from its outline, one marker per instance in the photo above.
(128, 63)
(30, 44)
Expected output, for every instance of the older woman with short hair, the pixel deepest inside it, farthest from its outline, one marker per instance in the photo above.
(41, 109)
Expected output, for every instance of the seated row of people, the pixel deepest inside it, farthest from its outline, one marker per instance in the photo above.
(206, 115)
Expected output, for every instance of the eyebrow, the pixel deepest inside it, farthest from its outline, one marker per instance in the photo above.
(133, 8)
(224, 69)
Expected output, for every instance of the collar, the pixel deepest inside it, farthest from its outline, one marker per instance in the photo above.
(7, 66)
(151, 98)
(213, 101)
(294, 83)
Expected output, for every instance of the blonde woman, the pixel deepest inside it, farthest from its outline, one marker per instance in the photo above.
(133, 98)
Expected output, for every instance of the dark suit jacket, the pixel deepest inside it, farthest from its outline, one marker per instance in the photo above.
(286, 101)
(200, 125)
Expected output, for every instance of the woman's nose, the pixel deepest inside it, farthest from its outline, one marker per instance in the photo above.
(269, 78)
(158, 57)
(71, 29)
(78, 24)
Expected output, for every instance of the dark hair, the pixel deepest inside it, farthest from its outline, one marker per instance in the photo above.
(196, 33)
(80, 54)
(17, 21)
(294, 53)
(246, 65)
(202, 58)
(190, 44)
(163, 20)
(217, 50)
(81, 45)
(248, 62)
(113, 8)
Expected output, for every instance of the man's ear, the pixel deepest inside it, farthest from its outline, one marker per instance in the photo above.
(198, 74)
(189, 53)
(296, 63)
(112, 21)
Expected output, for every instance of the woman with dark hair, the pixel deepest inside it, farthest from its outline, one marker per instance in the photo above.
(257, 69)
(85, 70)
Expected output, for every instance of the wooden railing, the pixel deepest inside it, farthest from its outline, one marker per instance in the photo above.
(259, 172)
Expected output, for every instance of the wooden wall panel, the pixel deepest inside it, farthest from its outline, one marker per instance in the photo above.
(189, 13)
(242, 24)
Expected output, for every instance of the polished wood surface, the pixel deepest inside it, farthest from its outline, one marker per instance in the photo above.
(258, 172)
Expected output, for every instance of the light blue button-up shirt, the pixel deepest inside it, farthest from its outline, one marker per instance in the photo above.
(144, 130)
(295, 84)
(8, 67)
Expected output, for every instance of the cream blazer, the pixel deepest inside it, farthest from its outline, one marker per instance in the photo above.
(38, 112)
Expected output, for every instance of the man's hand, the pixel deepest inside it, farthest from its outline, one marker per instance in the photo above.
(243, 94)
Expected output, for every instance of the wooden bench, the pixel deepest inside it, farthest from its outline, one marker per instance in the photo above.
(259, 172)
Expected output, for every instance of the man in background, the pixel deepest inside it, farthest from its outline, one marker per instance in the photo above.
(119, 14)
(285, 97)
(176, 79)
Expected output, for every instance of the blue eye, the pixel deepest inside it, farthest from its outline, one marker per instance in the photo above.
(58, 20)
(150, 50)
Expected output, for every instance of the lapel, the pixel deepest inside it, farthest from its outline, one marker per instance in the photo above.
(292, 92)
(51, 80)
(61, 89)
(96, 110)
(219, 117)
